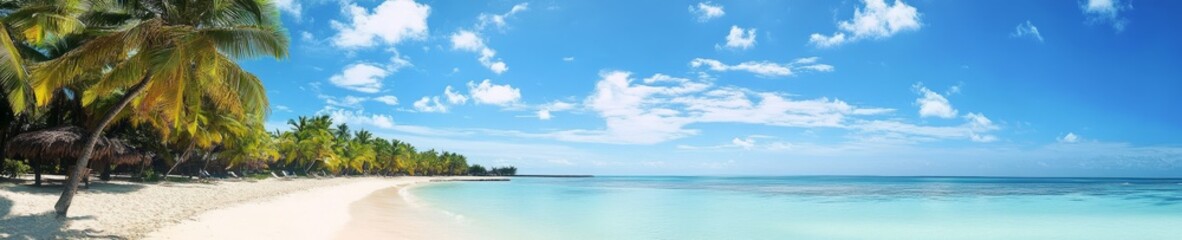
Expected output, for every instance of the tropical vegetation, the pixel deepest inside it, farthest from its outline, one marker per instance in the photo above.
(158, 81)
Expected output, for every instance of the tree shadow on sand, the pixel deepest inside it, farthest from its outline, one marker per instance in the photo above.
(95, 187)
(42, 226)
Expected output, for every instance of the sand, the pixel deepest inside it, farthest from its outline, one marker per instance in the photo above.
(266, 209)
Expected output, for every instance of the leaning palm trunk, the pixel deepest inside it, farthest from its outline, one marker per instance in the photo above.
(184, 156)
(313, 163)
(63, 203)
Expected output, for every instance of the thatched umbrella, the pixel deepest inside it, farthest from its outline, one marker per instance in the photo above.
(66, 142)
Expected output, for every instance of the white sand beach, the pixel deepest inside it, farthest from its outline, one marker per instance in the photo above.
(265, 209)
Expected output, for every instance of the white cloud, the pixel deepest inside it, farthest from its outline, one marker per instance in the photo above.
(568, 59)
(823, 41)
(662, 78)
(390, 23)
(705, 11)
(430, 104)
(932, 104)
(361, 77)
(978, 124)
(1069, 138)
(398, 62)
(359, 118)
(558, 106)
(740, 38)
(388, 100)
(1027, 30)
(660, 109)
(307, 36)
(282, 108)
(1107, 11)
(876, 20)
(289, 6)
(744, 143)
(546, 111)
(488, 93)
(498, 20)
(977, 128)
(453, 96)
(764, 69)
(469, 41)
(347, 101)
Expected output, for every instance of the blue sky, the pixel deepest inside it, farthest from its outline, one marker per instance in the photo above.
(1014, 88)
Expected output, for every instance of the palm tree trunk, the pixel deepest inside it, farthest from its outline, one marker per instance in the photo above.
(184, 156)
(106, 175)
(313, 163)
(206, 159)
(36, 173)
(71, 188)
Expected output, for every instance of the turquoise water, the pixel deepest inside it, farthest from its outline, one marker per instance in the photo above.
(813, 207)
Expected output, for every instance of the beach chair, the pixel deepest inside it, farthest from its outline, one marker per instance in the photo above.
(274, 175)
(232, 174)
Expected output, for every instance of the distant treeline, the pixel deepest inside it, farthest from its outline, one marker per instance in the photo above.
(477, 170)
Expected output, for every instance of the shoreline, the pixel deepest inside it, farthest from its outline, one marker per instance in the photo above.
(303, 208)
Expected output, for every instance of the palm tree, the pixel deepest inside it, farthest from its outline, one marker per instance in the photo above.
(25, 26)
(166, 51)
(252, 147)
(204, 130)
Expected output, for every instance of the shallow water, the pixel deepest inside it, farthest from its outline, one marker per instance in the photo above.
(822, 207)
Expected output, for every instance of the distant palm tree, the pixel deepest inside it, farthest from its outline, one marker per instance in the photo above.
(167, 54)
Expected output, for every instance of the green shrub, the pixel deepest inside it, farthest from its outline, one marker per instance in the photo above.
(149, 175)
(14, 168)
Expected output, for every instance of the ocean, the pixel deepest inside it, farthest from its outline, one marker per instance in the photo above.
(812, 207)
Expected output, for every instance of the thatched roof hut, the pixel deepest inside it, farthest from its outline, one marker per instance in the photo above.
(66, 142)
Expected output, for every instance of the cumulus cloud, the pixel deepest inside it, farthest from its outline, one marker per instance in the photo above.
(472, 41)
(764, 68)
(1069, 138)
(358, 117)
(660, 107)
(388, 100)
(430, 104)
(488, 93)
(1027, 30)
(876, 20)
(390, 23)
(747, 143)
(498, 20)
(453, 96)
(705, 11)
(545, 111)
(568, 59)
(932, 104)
(289, 6)
(361, 77)
(1107, 11)
(469, 41)
(740, 38)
